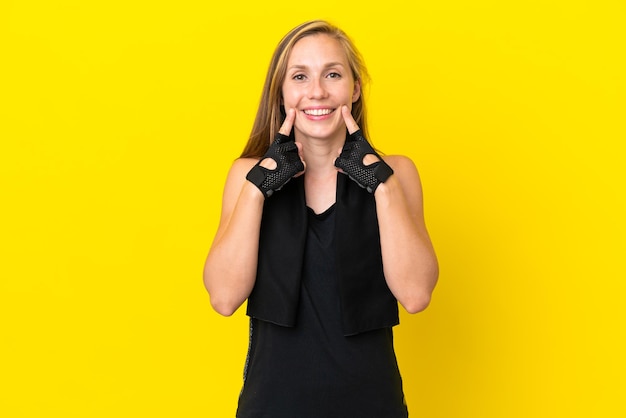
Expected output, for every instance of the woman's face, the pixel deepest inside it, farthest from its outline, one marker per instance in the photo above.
(318, 81)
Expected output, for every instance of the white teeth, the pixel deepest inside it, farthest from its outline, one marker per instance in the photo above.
(317, 112)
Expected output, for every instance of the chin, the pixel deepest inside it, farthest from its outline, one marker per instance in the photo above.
(321, 133)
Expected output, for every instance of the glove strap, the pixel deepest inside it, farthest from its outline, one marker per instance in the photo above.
(288, 163)
(257, 176)
(383, 171)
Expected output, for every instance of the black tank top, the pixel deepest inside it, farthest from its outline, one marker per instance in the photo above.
(312, 370)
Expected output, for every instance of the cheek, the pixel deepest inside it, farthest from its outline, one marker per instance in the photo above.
(288, 102)
(346, 93)
(290, 98)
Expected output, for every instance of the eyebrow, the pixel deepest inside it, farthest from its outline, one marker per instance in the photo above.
(328, 65)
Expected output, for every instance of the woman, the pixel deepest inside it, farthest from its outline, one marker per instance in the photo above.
(323, 237)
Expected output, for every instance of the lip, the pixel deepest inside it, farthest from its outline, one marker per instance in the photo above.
(318, 112)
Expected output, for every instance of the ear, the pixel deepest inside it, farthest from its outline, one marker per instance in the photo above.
(357, 91)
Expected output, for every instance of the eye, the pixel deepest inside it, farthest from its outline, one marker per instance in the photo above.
(298, 77)
(334, 75)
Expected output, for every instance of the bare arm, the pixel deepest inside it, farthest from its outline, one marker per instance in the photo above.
(230, 267)
(409, 260)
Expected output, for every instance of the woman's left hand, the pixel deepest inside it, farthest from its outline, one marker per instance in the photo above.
(358, 159)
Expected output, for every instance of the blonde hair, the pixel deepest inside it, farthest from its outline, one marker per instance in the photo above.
(269, 116)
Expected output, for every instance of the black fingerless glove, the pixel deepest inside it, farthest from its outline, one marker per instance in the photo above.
(288, 164)
(351, 162)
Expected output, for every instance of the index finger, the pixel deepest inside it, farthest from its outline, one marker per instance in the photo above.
(285, 128)
(349, 120)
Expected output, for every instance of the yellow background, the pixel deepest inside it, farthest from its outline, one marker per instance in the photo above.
(119, 120)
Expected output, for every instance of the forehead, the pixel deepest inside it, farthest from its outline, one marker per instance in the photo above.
(318, 48)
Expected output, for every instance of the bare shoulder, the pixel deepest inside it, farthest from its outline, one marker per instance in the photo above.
(408, 177)
(403, 167)
(240, 168)
(234, 181)
(237, 173)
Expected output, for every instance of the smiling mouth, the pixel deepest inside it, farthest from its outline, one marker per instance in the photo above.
(317, 112)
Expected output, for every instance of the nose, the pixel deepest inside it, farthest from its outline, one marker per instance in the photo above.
(317, 89)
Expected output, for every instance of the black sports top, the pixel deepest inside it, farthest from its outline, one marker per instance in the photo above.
(312, 370)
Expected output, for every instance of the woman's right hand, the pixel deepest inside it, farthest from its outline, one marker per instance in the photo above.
(281, 162)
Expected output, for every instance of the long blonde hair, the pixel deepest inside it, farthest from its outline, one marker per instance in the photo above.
(269, 116)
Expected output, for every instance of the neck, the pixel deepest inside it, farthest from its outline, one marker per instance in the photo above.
(320, 154)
